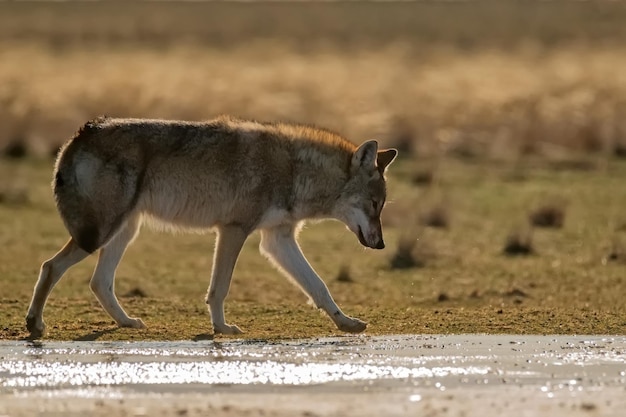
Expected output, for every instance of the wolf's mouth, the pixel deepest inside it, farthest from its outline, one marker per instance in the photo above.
(362, 238)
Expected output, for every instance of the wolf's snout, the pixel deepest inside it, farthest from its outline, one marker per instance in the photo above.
(372, 242)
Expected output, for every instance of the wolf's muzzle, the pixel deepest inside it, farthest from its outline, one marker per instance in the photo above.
(380, 244)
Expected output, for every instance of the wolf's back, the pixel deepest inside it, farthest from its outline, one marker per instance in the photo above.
(94, 192)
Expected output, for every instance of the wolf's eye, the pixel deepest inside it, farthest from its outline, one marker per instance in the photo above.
(375, 206)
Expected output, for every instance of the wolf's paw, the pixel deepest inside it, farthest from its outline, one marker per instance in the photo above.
(352, 325)
(226, 329)
(133, 324)
(35, 326)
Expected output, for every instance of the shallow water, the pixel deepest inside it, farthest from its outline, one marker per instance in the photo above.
(414, 360)
(410, 366)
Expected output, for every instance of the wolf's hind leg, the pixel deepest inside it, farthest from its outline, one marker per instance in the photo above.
(229, 242)
(280, 245)
(102, 281)
(51, 272)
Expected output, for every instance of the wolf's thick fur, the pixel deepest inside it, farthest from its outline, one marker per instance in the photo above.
(229, 175)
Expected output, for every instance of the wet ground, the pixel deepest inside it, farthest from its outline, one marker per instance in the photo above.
(461, 375)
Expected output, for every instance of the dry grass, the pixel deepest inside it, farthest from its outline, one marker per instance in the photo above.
(519, 242)
(405, 255)
(437, 216)
(423, 176)
(464, 24)
(344, 274)
(15, 149)
(616, 251)
(427, 78)
(492, 104)
(551, 215)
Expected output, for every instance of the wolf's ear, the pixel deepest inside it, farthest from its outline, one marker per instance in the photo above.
(365, 155)
(385, 158)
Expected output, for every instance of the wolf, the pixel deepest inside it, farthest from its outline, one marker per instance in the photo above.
(228, 175)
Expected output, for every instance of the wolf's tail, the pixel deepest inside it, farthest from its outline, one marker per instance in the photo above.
(94, 193)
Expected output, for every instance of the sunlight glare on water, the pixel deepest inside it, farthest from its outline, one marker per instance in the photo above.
(426, 362)
(41, 374)
(109, 364)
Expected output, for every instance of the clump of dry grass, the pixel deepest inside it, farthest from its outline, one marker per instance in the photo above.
(437, 216)
(404, 257)
(443, 297)
(15, 149)
(424, 173)
(516, 292)
(411, 252)
(423, 176)
(344, 274)
(549, 215)
(619, 150)
(616, 252)
(135, 292)
(519, 242)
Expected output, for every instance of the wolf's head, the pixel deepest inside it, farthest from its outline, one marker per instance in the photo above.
(363, 197)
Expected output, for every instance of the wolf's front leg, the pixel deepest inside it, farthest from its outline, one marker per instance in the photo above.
(229, 242)
(280, 245)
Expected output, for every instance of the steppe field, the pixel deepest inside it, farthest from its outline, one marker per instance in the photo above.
(507, 205)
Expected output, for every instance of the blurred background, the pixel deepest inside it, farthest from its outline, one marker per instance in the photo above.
(486, 79)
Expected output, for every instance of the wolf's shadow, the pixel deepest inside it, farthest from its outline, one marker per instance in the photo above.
(93, 336)
(202, 336)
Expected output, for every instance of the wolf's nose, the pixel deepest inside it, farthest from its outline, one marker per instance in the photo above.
(380, 244)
